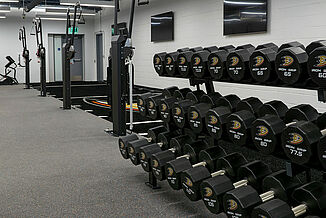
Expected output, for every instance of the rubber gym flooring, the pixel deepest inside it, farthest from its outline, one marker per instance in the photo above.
(56, 163)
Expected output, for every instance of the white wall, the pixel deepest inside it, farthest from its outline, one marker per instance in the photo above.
(200, 23)
(10, 45)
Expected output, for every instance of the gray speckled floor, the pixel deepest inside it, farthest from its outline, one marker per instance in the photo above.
(56, 163)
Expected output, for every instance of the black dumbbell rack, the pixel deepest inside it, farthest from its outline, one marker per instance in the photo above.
(291, 168)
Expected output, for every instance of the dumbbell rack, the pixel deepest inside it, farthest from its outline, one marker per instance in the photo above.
(291, 168)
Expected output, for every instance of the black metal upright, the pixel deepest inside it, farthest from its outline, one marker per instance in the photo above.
(22, 38)
(67, 55)
(41, 54)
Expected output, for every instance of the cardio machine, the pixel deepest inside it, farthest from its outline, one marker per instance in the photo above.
(9, 76)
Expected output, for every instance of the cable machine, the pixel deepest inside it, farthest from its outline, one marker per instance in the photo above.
(22, 38)
(40, 54)
(68, 54)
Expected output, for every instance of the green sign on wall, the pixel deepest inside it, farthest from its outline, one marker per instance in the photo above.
(70, 30)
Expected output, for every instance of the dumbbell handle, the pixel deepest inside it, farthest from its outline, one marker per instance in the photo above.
(200, 164)
(289, 124)
(218, 173)
(187, 156)
(240, 183)
(299, 210)
(267, 196)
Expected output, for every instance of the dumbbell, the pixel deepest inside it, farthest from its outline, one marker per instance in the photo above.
(166, 104)
(266, 131)
(239, 123)
(241, 201)
(317, 62)
(182, 147)
(180, 108)
(142, 101)
(262, 63)
(238, 63)
(184, 62)
(152, 138)
(171, 62)
(216, 64)
(175, 167)
(199, 62)
(216, 118)
(193, 177)
(311, 197)
(158, 62)
(291, 63)
(175, 145)
(213, 189)
(153, 102)
(300, 140)
(197, 112)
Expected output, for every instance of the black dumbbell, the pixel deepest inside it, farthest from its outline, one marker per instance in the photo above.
(171, 62)
(180, 108)
(199, 62)
(158, 62)
(214, 188)
(238, 63)
(239, 123)
(193, 177)
(181, 148)
(241, 201)
(216, 118)
(184, 62)
(151, 138)
(163, 141)
(317, 62)
(175, 146)
(153, 102)
(166, 104)
(261, 64)
(216, 64)
(197, 112)
(266, 131)
(300, 140)
(174, 168)
(291, 63)
(142, 102)
(311, 197)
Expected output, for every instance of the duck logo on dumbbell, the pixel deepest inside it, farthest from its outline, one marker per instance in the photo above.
(295, 139)
(234, 61)
(197, 61)
(321, 61)
(164, 107)
(131, 150)
(141, 102)
(232, 205)
(157, 60)
(208, 192)
(194, 115)
(155, 163)
(142, 156)
(122, 145)
(287, 61)
(213, 120)
(214, 61)
(262, 130)
(177, 111)
(182, 60)
(170, 171)
(169, 60)
(259, 61)
(188, 182)
(236, 125)
(151, 104)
